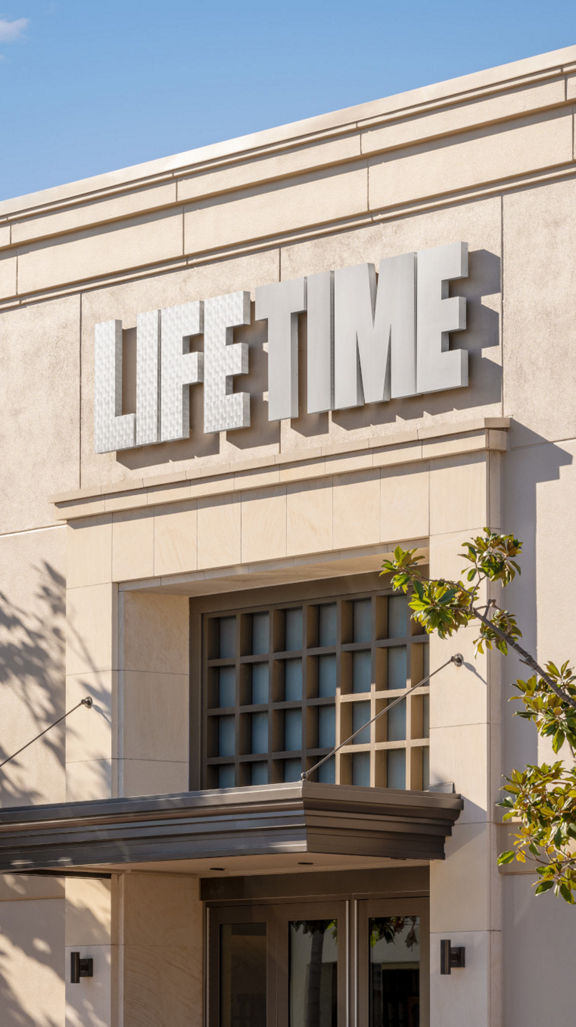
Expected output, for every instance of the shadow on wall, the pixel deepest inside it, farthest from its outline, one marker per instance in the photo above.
(32, 679)
(533, 462)
(88, 927)
(33, 693)
(32, 696)
(32, 963)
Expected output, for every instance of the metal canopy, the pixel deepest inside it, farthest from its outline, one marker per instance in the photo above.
(267, 819)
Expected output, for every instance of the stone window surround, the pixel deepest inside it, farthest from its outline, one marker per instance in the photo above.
(99, 595)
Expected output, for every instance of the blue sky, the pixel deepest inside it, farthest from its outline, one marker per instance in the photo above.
(89, 87)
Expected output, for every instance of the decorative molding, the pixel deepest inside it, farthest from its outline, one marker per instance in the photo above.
(467, 89)
(429, 442)
(515, 93)
(300, 817)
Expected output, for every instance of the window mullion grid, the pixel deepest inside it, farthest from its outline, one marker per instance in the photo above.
(311, 702)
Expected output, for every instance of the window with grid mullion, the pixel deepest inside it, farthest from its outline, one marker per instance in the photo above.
(284, 685)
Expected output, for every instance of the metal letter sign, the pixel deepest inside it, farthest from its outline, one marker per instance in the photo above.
(280, 305)
(112, 428)
(369, 339)
(374, 338)
(225, 409)
(179, 369)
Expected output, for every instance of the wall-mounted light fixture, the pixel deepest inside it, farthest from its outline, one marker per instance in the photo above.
(80, 967)
(451, 956)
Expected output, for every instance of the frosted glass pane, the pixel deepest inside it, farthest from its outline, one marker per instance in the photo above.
(326, 676)
(425, 716)
(397, 723)
(360, 716)
(259, 774)
(397, 666)
(260, 683)
(292, 770)
(326, 727)
(293, 629)
(361, 671)
(259, 732)
(226, 776)
(397, 616)
(425, 768)
(227, 686)
(327, 624)
(226, 736)
(396, 768)
(327, 772)
(361, 769)
(226, 637)
(292, 730)
(260, 633)
(292, 680)
(362, 620)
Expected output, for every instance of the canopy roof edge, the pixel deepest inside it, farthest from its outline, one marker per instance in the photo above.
(299, 817)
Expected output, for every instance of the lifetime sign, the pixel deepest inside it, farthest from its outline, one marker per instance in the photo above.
(370, 338)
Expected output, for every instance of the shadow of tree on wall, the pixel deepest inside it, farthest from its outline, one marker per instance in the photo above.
(34, 948)
(31, 962)
(32, 665)
(32, 696)
(32, 675)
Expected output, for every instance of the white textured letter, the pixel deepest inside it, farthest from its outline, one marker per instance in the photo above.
(147, 377)
(180, 369)
(112, 429)
(225, 409)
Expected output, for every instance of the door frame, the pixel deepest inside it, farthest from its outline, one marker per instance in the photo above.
(237, 914)
(372, 907)
(353, 954)
(326, 909)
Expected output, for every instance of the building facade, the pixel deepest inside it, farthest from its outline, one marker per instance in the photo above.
(233, 381)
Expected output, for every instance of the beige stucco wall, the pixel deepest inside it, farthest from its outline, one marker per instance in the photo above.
(488, 159)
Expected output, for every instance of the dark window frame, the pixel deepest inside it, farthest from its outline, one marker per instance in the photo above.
(308, 595)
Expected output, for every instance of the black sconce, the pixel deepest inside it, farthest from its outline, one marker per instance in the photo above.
(80, 967)
(451, 956)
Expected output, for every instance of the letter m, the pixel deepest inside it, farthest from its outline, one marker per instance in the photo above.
(375, 332)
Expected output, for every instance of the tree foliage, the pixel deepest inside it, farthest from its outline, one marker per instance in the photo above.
(540, 800)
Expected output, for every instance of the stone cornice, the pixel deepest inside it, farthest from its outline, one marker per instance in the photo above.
(341, 142)
(412, 104)
(429, 442)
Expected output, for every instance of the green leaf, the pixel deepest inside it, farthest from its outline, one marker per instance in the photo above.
(541, 799)
(558, 740)
(543, 886)
(566, 893)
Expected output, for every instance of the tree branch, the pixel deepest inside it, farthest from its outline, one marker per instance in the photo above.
(525, 657)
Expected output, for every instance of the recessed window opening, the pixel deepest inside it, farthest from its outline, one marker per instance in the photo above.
(285, 683)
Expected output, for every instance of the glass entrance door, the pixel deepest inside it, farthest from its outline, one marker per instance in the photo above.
(312, 940)
(393, 966)
(239, 993)
(342, 963)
